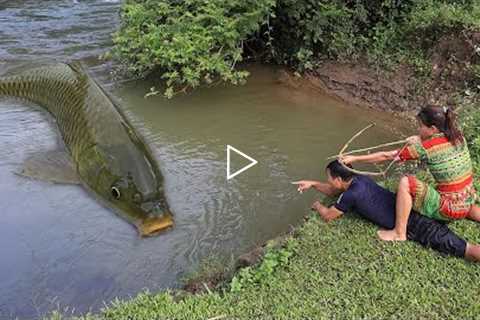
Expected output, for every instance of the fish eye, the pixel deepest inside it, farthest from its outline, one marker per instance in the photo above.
(116, 193)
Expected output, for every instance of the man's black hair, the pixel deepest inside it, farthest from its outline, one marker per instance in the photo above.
(337, 170)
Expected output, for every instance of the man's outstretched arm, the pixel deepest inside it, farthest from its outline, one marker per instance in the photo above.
(322, 187)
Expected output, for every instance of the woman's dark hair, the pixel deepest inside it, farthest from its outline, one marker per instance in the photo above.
(337, 170)
(443, 118)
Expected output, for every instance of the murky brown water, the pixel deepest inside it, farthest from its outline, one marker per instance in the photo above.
(59, 247)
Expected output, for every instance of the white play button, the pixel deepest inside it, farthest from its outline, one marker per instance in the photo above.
(251, 164)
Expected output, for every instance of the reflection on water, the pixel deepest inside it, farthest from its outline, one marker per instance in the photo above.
(63, 30)
(61, 247)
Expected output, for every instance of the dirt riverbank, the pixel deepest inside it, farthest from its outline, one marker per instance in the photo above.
(402, 90)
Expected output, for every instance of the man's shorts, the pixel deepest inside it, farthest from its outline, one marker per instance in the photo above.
(429, 202)
(435, 234)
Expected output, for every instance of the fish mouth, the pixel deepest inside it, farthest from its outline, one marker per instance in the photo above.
(154, 225)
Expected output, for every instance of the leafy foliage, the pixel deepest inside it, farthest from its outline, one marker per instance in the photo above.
(272, 260)
(384, 31)
(439, 16)
(339, 29)
(189, 42)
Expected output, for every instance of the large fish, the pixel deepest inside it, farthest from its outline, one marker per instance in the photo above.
(105, 152)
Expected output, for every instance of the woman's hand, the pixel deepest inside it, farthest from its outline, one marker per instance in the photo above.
(348, 159)
(304, 185)
(414, 140)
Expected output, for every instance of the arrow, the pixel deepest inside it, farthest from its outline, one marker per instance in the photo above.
(252, 162)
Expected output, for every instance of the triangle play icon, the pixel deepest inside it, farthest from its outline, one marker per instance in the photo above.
(251, 164)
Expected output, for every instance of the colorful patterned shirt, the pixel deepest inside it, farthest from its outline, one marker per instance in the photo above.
(451, 167)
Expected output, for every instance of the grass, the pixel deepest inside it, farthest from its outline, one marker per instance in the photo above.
(339, 270)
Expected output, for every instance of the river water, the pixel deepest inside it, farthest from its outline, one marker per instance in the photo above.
(60, 249)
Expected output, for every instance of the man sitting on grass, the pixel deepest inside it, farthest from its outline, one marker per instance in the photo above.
(364, 196)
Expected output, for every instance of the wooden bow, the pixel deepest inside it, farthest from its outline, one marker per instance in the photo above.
(342, 153)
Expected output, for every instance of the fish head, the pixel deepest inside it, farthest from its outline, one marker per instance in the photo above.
(129, 180)
(149, 212)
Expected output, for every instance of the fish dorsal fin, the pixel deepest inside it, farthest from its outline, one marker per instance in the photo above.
(80, 70)
(77, 66)
(52, 166)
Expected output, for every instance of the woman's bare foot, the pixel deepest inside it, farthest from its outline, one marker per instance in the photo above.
(391, 235)
(474, 213)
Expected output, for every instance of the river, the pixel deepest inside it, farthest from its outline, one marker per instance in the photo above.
(62, 250)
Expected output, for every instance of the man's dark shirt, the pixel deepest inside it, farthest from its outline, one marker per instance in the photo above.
(374, 203)
(370, 200)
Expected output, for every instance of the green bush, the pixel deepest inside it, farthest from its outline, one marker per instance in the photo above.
(318, 27)
(341, 29)
(272, 260)
(385, 32)
(188, 42)
(438, 16)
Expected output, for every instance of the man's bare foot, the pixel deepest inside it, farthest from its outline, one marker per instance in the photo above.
(391, 235)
